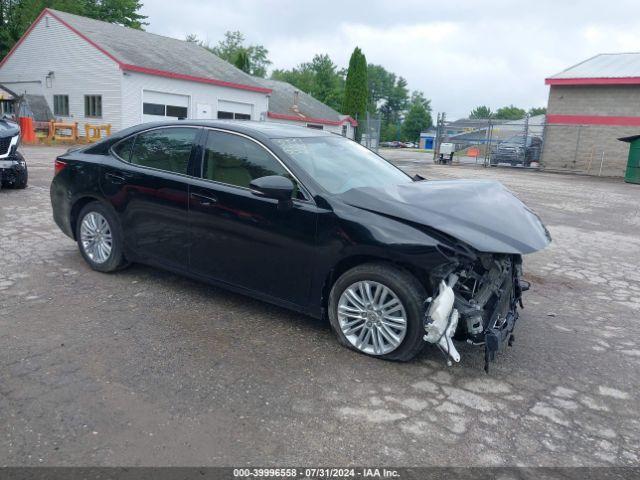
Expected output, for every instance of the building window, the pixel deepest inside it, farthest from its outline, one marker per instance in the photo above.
(153, 109)
(93, 106)
(233, 116)
(161, 110)
(316, 127)
(177, 112)
(61, 105)
(7, 107)
(344, 130)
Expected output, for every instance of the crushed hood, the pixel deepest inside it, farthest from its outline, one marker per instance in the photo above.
(481, 213)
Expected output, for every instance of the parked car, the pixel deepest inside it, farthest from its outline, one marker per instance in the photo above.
(307, 220)
(13, 167)
(514, 151)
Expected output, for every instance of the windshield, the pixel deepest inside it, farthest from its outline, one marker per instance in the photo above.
(338, 164)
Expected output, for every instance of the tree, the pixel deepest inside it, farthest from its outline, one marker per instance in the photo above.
(533, 111)
(381, 83)
(418, 117)
(233, 43)
(320, 78)
(242, 61)
(510, 113)
(356, 89)
(17, 15)
(481, 112)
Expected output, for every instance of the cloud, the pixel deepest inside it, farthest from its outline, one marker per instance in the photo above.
(460, 54)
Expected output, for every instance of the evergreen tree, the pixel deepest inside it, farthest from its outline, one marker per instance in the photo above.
(356, 90)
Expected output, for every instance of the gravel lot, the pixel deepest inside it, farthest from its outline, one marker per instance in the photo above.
(146, 368)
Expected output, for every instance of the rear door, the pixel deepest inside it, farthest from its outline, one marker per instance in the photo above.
(148, 184)
(241, 238)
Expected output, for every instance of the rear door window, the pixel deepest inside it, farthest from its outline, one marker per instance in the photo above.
(167, 149)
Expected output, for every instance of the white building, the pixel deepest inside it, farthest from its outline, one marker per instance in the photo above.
(97, 72)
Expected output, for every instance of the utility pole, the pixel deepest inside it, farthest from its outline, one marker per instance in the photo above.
(525, 133)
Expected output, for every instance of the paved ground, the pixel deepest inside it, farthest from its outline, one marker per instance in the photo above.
(146, 368)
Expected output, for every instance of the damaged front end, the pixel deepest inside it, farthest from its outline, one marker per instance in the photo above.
(477, 301)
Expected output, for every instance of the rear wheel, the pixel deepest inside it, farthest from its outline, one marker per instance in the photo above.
(99, 238)
(377, 309)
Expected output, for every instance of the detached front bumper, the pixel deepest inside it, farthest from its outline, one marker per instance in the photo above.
(12, 168)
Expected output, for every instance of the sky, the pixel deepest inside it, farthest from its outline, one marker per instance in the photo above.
(459, 53)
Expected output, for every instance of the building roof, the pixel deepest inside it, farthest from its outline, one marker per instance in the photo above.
(144, 52)
(6, 94)
(308, 109)
(602, 69)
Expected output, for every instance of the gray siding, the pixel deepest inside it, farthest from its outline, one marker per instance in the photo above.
(616, 100)
(79, 69)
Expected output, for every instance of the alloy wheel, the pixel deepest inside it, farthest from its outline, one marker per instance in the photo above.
(372, 317)
(96, 237)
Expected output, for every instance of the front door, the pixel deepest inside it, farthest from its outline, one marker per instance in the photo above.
(148, 186)
(240, 238)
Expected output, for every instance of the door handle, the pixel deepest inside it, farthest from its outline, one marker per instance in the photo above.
(118, 179)
(204, 200)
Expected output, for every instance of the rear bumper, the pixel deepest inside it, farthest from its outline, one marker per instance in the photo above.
(61, 207)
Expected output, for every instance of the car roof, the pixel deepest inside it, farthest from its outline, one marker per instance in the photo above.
(265, 129)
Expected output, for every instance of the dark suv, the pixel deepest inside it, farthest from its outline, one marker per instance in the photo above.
(514, 151)
(13, 168)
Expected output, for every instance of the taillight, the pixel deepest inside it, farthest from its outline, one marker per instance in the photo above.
(59, 166)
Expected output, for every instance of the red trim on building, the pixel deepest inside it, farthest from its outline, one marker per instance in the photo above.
(191, 78)
(302, 118)
(593, 120)
(135, 68)
(593, 81)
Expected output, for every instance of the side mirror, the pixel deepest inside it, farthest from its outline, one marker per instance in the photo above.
(273, 186)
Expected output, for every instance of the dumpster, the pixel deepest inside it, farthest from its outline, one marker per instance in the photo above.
(632, 174)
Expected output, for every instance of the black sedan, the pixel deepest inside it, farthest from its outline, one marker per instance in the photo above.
(307, 220)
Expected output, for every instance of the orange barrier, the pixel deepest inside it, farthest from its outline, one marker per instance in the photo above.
(473, 152)
(93, 132)
(27, 131)
(71, 126)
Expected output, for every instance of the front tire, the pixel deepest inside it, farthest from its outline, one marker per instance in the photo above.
(99, 238)
(22, 177)
(377, 309)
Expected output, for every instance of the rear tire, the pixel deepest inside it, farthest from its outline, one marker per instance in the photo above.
(99, 238)
(402, 285)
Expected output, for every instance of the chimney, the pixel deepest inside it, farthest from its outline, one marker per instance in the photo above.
(296, 95)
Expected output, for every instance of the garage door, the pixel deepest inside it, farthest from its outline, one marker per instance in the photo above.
(163, 106)
(234, 110)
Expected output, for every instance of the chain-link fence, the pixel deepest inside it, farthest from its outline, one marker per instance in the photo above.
(533, 143)
(369, 128)
(517, 143)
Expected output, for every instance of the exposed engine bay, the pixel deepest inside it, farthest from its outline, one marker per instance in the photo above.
(477, 302)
